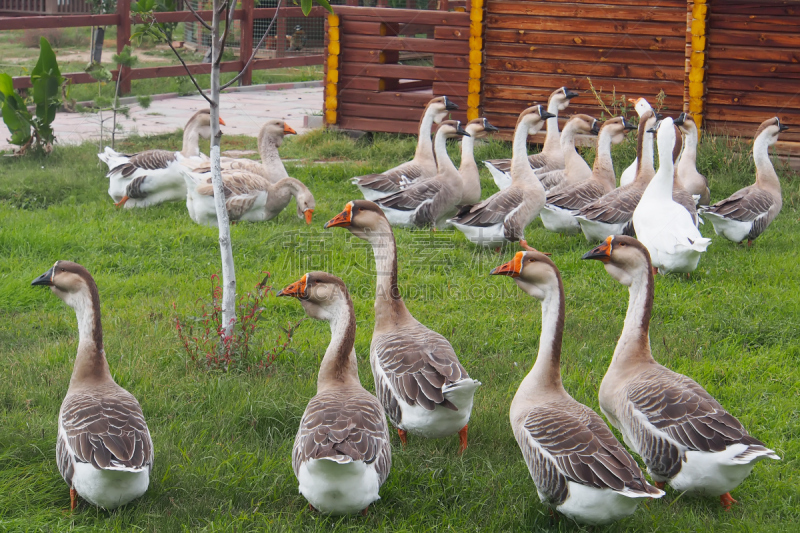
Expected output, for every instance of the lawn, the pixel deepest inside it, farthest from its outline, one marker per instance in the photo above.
(223, 440)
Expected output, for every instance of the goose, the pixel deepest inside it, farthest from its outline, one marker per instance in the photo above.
(429, 202)
(611, 213)
(103, 450)
(504, 216)
(154, 176)
(478, 128)
(575, 167)
(551, 157)
(686, 438)
(248, 197)
(563, 204)
(579, 468)
(686, 174)
(342, 453)
(270, 137)
(422, 386)
(640, 105)
(749, 211)
(421, 167)
(662, 224)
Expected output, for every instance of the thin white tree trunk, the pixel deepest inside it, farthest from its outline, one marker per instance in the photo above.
(225, 245)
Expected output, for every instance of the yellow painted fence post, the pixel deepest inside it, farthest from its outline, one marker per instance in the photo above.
(475, 59)
(697, 61)
(332, 77)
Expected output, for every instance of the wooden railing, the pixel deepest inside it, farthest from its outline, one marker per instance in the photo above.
(123, 21)
(43, 7)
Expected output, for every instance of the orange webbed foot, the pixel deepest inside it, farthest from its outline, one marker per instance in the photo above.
(462, 435)
(727, 500)
(402, 434)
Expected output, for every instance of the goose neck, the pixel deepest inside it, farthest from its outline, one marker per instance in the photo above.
(268, 149)
(467, 152)
(688, 157)
(572, 159)
(470, 175)
(603, 168)
(388, 302)
(519, 151)
(646, 166)
(191, 141)
(765, 172)
(634, 342)
(90, 362)
(663, 181)
(339, 366)
(424, 146)
(552, 140)
(443, 162)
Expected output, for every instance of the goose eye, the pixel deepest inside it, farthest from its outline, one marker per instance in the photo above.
(63, 270)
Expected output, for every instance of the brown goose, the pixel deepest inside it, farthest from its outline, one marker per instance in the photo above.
(551, 157)
(686, 174)
(104, 451)
(429, 202)
(563, 203)
(575, 167)
(503, 217)
(579, 468)
(686, 438)
(154, 176)
(422, 167)
(342, 453)
(750, 211)
(418, 379)
(478, 128)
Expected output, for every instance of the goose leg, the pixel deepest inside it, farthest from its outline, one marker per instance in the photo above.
(122, 201)
(73, 499)
(726, 500)
(462, 435)
(660, 484)
(402, 434)
(365, 512)
(655, 270)
(311, 507)
(749, 243)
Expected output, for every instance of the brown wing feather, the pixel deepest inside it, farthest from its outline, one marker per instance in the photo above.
(344, 424)
(681, 196)
(236, 183)
(491, 211)
(148, 160)
(106, 430)
(744, 205)
(412, 197)
(394, 179)
(614, 207)
(576, 196)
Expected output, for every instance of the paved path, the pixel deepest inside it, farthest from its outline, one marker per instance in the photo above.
(243, 112)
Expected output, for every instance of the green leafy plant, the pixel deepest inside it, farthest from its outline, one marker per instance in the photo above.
(34, 131)
(618, 105)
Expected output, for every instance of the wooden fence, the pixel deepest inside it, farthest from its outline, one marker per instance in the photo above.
(122, 20)
(43, 7)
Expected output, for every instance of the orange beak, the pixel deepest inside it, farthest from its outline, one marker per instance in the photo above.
(341, 220)
(308, 213)
(296, 289)
(222, 121)
(512, 268)
(287, 130)
(602, 252)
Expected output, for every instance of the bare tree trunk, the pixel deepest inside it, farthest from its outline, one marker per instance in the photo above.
(225, 245)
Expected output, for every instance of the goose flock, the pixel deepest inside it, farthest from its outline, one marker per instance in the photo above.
(342, 452)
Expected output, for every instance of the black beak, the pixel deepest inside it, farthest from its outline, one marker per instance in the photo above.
(627, 125)
(545, 115)
(782, 127)
(655, 127)
(449, 105)
(569, 94)
(659, 116)
(680, 120)
(45, 279)
(595, 127)
(461, 131)
(489, 127)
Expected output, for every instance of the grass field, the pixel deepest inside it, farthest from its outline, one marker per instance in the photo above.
(223, 440)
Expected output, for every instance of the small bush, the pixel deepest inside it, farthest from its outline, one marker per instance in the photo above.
(203, 340)
(57, 37)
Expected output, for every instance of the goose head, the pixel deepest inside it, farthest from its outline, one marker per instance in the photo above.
(201, 122)
(616, 128)
(534, 118)
(533, 272)
(322, 295)
(624, 257)
(362, 217)
(769, 130)
(480, 128)
(686, 124)
(561, 97)
(583, 125)
(640, 105)
(274, 130)
(451, 129)
(665, 135)
(69, 281)
(305, 204)
(440, 107)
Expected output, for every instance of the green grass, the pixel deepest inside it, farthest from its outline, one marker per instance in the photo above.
(223, 441)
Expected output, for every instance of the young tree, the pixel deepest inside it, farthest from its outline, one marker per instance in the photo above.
(222, 11)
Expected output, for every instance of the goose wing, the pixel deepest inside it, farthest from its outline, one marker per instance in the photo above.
(235, 183)
(148, 160)
(344, 427)
(744, 205)
(552, 179)
(564, 442)
(537, 161)
(614, 207)
(668, 411)
(576, 196)
(393, 179)
(419, 363)
(106, 430)
(494, 210)
(413, 197)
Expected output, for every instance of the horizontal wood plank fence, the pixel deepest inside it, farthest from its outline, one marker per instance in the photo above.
(122, 19)
(43, 7)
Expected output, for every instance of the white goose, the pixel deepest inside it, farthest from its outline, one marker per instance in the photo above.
(342, 453)
(686, 438)
(155, 176)
(664, 226)
(503, 217)
(579, 468)
(420, 382)
(750, 211)
(104, 450)
(248, 197)
(421, 167)
(551, 157)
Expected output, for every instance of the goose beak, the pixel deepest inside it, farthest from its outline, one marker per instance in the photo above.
(512, 268)
(462, 131)
(782, 127)
(296, 289)
(602, 252)
(596, 127)
(342, 220)
(627, 126)
(570, 94)
(545, 115)
(449, 105)
(288, 130)
(633, 100)
(489, 127)
(659, 116)
(45, 279)
(222, 121)
(308, 214)
(680, 120)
